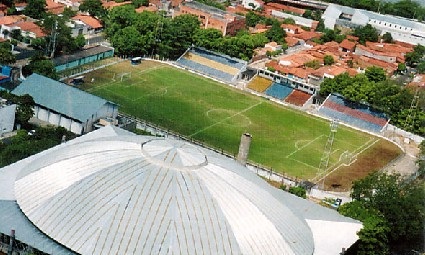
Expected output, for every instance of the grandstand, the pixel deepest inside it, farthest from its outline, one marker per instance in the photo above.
(259, 84)
(298, 98)
(212, 64)
(355, 114)
(279, 91)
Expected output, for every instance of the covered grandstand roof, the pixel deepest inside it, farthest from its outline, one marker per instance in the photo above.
(60, 97)
(112, 192)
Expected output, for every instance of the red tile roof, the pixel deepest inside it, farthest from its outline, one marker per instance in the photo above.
(307, 35)
(291, 41)
(348, 45)
(29, 26)
(150, 8)
(8, 20)
(112, 4)
(89, 21)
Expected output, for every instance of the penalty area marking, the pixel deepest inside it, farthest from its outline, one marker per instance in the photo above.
(246, 121)
(221, 121)
(302, 147)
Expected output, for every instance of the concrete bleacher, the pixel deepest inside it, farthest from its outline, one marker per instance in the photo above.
(298, 97)
(225, 60)
(212, 64)
(365, 125)
(278, 91)
(205, 69)
(353, 113)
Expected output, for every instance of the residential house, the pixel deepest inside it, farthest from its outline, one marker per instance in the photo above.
(85, 25)
(211, 17)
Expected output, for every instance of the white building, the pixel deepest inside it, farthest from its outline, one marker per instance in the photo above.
(401, 29)
(7, 117)
(252, 4)
(114, 192)
(65, 106)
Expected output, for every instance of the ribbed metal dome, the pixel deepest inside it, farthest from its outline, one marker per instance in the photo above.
(138, 195)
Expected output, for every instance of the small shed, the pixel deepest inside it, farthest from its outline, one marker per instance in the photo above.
(82, 57)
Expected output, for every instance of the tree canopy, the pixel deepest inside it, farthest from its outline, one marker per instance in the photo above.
(35, 9)
(146, 33)
(366, 33)
(391, 208)
(6, 56)
(383, 94)
(93, 7)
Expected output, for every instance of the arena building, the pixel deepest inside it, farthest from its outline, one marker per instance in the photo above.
(114, 192)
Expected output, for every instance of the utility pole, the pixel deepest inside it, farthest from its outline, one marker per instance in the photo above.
(53, 39)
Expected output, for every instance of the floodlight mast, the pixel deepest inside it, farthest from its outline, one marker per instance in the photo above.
(324, 161)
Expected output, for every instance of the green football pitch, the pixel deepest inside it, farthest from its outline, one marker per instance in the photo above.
(286, 140)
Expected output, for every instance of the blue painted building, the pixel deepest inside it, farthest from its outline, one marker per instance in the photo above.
(82, 57)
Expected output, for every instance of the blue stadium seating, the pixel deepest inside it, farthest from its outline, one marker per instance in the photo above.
(324, 111)
(205, 69)
(278, 91)
(219, 58)
(360, 107)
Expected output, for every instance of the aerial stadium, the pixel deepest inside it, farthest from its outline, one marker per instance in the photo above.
(114, 192)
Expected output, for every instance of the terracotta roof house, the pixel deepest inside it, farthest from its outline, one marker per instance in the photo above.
(347, 46)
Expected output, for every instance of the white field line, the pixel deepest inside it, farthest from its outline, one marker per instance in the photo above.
(115, 81)
(355, 155)
(304, 163)
(221, 121)
(302, 147)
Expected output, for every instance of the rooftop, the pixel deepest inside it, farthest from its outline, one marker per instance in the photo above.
(218, 13)
(126, 194)
(88, 20)
(60, 97)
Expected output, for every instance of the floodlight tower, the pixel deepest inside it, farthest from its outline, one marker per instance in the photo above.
(410, 119)
(324, 161)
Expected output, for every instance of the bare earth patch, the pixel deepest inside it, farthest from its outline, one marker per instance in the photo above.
(373, 159)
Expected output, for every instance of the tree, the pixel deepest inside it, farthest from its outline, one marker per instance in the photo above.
(401, 203)
(80, 41)
(387, 38)
(6, 56)
(64, 42)
(209, 38)
(41, 65)
(328, 60)
(35, 9)
(401, 68)
(315, 64)
(366, 33)
(276, 33)
(298, 191)
(373, 237)
(421, 159)
(252, 19)
(420, 68)
(93, 7)
(289, 21)
(375, 74)
(138, 3)
(128, 41)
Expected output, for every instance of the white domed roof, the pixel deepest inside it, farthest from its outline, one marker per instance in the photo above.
(138, 195)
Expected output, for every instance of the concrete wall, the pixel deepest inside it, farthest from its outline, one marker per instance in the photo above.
(388, 59)
(7, 118)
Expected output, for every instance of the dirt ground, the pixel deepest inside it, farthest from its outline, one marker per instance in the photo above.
(341, 179)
